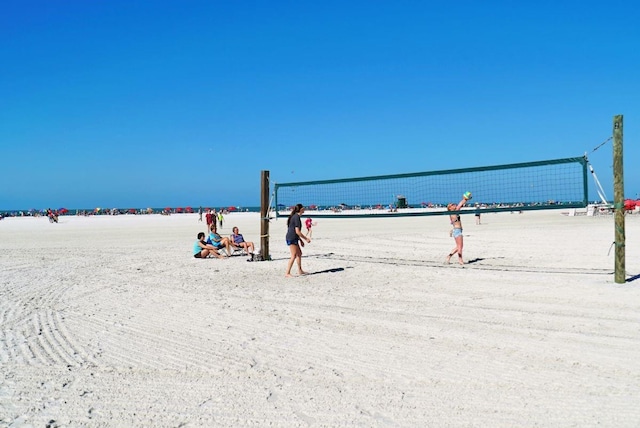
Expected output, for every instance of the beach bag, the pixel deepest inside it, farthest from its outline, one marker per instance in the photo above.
(255, 258)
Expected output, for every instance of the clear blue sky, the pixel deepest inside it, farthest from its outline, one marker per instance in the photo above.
(175, 103)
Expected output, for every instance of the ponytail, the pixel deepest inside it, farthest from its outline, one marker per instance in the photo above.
(295, 210)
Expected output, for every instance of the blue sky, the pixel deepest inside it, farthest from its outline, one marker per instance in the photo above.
(176, 103)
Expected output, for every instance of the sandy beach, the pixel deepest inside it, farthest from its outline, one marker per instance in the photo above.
(110, 321)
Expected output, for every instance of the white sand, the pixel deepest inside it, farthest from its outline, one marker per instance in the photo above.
(110, 321)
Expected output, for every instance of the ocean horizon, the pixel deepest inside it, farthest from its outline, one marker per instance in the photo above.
(133, 210)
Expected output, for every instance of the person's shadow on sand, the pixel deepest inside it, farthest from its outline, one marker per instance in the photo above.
(633, 278)
(334, 270)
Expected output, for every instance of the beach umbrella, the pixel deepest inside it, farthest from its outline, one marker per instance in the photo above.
(189, 209)
(167, 209)
(132, 211)
(231, 208)
(178, 210)
(629, 204)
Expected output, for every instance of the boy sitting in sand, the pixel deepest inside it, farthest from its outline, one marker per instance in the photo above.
(202, 250)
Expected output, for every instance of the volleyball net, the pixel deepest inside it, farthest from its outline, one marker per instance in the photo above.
(550, 184)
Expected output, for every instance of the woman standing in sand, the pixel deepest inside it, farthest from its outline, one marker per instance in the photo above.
(457, 227)
(295, 239)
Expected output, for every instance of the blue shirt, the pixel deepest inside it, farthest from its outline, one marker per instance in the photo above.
(196, 247)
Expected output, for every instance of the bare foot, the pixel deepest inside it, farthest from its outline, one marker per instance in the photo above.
(303, 272)
(288, 275)
(448, 260)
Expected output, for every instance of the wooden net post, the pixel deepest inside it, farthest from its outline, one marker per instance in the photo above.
(264, 215)
(618, 200)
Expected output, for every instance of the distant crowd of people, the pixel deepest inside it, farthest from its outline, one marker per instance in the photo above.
(212, 216)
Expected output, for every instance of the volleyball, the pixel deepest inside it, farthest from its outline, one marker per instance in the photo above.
(467, 195)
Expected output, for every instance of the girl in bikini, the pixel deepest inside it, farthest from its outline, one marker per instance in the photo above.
(457, 227)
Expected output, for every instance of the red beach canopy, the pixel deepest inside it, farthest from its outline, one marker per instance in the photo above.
(629, 204)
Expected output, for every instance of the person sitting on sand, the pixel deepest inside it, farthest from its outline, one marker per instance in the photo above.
(218, 241)
(237, 240)
(202, 250)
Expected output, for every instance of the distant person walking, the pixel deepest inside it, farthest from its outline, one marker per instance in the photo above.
(295, 239)
(200, 214)
(308, 223)
(220, 217)
(53, 215)
(209, 217)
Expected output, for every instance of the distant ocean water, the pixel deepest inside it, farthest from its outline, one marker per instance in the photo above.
(74, 211)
